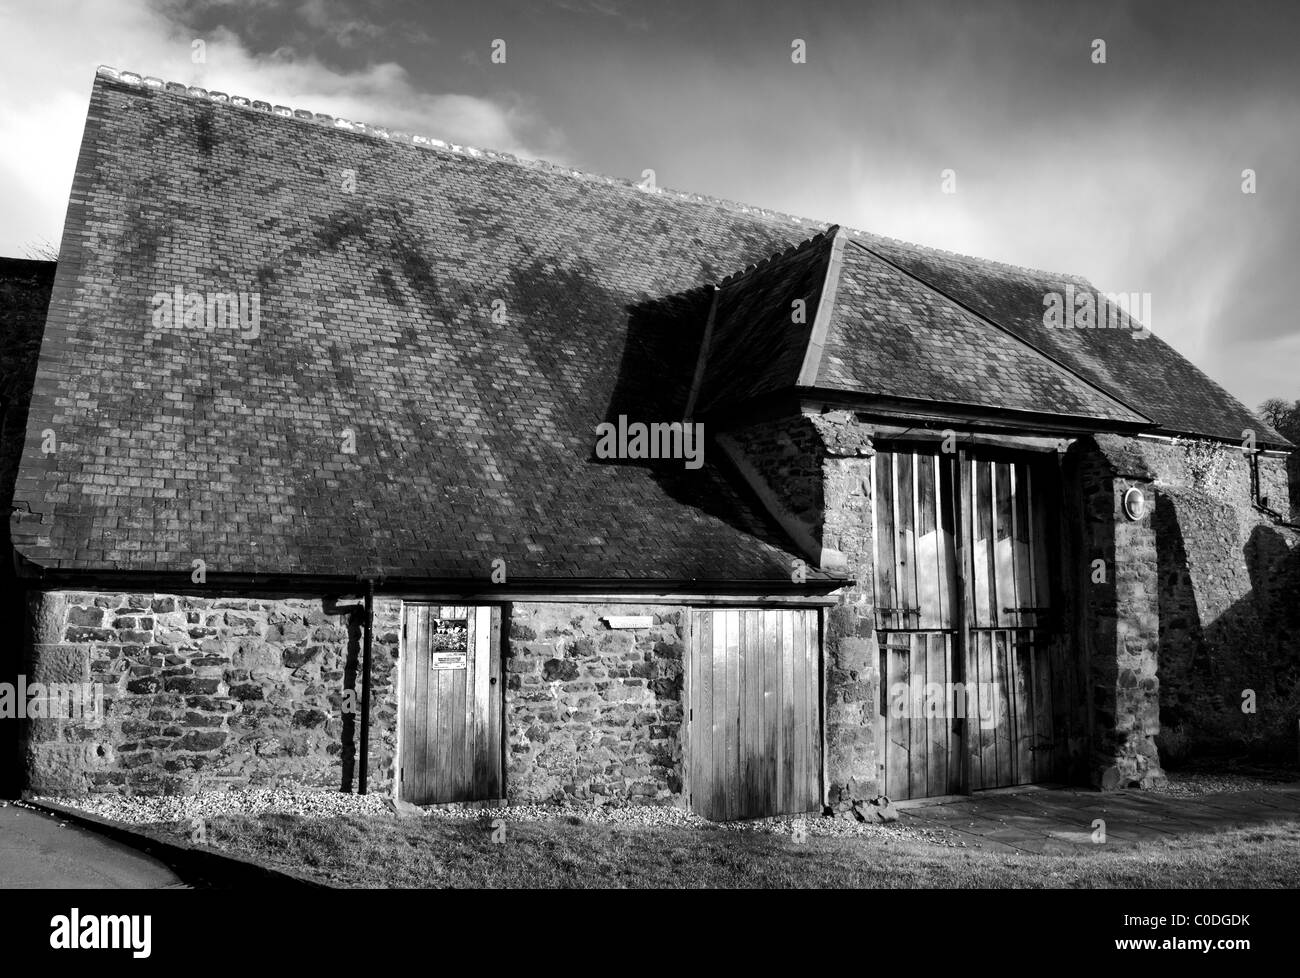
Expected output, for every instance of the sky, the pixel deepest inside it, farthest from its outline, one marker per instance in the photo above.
(1128, 171)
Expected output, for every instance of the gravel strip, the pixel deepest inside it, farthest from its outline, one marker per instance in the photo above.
(141, 809)
(1191, 785)
(320, 803)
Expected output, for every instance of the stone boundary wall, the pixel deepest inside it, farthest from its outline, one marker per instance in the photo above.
(1222, 471)
(203, 693)
(1229, 595)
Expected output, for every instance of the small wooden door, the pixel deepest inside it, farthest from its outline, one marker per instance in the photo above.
(754, 722)
(962, 589)
(451, 700)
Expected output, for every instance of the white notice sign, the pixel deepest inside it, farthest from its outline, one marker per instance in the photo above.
(447, 660)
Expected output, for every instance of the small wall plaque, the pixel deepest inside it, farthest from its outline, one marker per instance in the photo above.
(629, 621)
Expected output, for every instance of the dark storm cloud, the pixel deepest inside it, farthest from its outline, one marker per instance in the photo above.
(1128, 172)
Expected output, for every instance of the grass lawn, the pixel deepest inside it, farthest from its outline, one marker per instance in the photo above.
(437, 852)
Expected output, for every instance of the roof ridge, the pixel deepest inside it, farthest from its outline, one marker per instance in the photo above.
(992, 262)
(762, 264)
(135, 79)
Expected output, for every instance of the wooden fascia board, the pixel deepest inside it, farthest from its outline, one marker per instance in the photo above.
(958, 416)
(817, 589)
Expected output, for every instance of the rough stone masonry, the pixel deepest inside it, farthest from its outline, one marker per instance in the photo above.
(205, 693)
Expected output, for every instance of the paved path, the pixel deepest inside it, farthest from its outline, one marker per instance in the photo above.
(1058, 820)
(39, 851)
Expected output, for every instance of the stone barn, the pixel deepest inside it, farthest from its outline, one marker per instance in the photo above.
(360, 460)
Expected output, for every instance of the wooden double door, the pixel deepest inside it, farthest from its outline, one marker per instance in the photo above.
(451, 703)
(753, 693)
(963, 591)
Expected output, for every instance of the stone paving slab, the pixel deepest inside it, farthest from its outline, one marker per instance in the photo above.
(1055, 821)
(1286, 799)
(1060, 808)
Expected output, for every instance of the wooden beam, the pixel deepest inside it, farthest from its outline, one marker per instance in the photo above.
(686, 598)
(1028, 443)
(698, 380)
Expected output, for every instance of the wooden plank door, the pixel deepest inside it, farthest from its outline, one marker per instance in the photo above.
(754, 720)
(964, 665)
(918, 742)
(450, 731)
(1009, 625)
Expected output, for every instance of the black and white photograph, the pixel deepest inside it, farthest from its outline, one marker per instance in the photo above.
(570, 445)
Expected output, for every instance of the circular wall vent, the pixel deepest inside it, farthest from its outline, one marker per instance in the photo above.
(1135, 504)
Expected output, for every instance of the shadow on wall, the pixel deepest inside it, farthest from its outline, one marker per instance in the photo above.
(353, 616)
(1099, 607)
(24, 296)
(1293, 481)
(653, 385)
(1229, 631)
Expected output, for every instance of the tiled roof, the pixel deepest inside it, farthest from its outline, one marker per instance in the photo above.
(24, 297)
(1147, 373)
(467, 319)
(760, 337)
(889, 334)
(910, 323)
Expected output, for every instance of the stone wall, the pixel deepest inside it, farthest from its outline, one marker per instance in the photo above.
(1279, 483)
(201, 693)
(1120, 614)
(1201, 607)
(1229, 604)
(593, 715)
(786, 454)
(1221, 471)
(852, 660)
